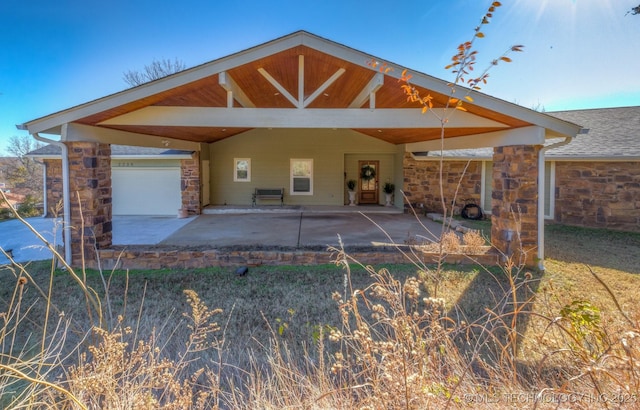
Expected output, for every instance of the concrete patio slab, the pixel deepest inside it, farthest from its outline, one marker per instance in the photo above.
(301, 229)
(263, 227)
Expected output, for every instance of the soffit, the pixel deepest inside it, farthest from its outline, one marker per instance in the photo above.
(284, 68)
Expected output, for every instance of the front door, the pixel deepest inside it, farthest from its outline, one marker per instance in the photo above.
(368, 192)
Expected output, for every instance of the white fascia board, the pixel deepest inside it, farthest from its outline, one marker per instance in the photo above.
(555, 127)
(145, 90)
(517, 136)
(559, 127)
(296, 118)
(52, 122)
(80, 132)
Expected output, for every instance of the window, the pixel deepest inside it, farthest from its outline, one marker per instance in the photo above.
(301, 177)
(242, 169)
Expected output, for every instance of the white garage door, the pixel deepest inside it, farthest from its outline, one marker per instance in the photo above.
(146, 191)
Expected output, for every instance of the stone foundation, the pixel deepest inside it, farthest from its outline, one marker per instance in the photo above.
(183, 259)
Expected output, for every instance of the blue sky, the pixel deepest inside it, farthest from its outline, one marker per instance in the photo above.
(58, 54)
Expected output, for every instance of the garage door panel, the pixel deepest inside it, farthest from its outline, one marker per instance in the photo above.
(146, 191)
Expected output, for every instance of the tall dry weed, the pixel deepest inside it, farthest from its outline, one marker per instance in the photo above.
(119, 372)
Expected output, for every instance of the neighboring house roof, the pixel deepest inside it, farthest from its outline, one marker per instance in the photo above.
(119, 152)
(14, 199)
(296, 81)
(614, 135)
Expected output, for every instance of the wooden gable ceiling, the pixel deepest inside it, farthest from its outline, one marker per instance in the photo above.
(283, 67)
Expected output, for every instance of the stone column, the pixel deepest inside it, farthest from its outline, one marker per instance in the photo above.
(514, 206)
(190, 184)
(91, 202)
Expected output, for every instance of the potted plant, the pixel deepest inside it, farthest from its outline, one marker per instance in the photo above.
(388, 189)
(351, 186)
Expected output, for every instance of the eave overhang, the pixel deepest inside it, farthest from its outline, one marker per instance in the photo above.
(297, 81)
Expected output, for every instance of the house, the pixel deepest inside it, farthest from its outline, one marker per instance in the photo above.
(144, 181)
(593, 181)
(14, 200)
(299, 113)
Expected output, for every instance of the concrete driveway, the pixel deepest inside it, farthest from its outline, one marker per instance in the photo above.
(127, 230)
(17, 238)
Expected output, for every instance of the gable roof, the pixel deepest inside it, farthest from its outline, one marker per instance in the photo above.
(614, 135)
(297, 81)
(118, 152)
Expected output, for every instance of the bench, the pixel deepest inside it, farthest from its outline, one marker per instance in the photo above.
(268, 193)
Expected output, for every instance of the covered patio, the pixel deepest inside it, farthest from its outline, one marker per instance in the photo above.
(306, 114)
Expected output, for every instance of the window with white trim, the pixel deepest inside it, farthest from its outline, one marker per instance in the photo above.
(242, 169)
(301, 177)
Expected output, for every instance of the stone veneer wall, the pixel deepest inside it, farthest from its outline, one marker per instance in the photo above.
(422, 182)
(190, 184)
(598, 194)
(514, 219)
(91, 204)
(54, 188)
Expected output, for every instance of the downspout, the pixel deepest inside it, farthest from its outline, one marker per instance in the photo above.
(66, 203)
(541, 186)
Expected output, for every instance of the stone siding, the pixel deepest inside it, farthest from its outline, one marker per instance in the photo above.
(190, 184)
(598, 194)
(462, 181)
(54, 188)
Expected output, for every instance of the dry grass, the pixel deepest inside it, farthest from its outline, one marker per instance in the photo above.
(342, 336)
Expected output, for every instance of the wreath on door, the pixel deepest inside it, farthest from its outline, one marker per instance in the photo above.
(368, 173)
